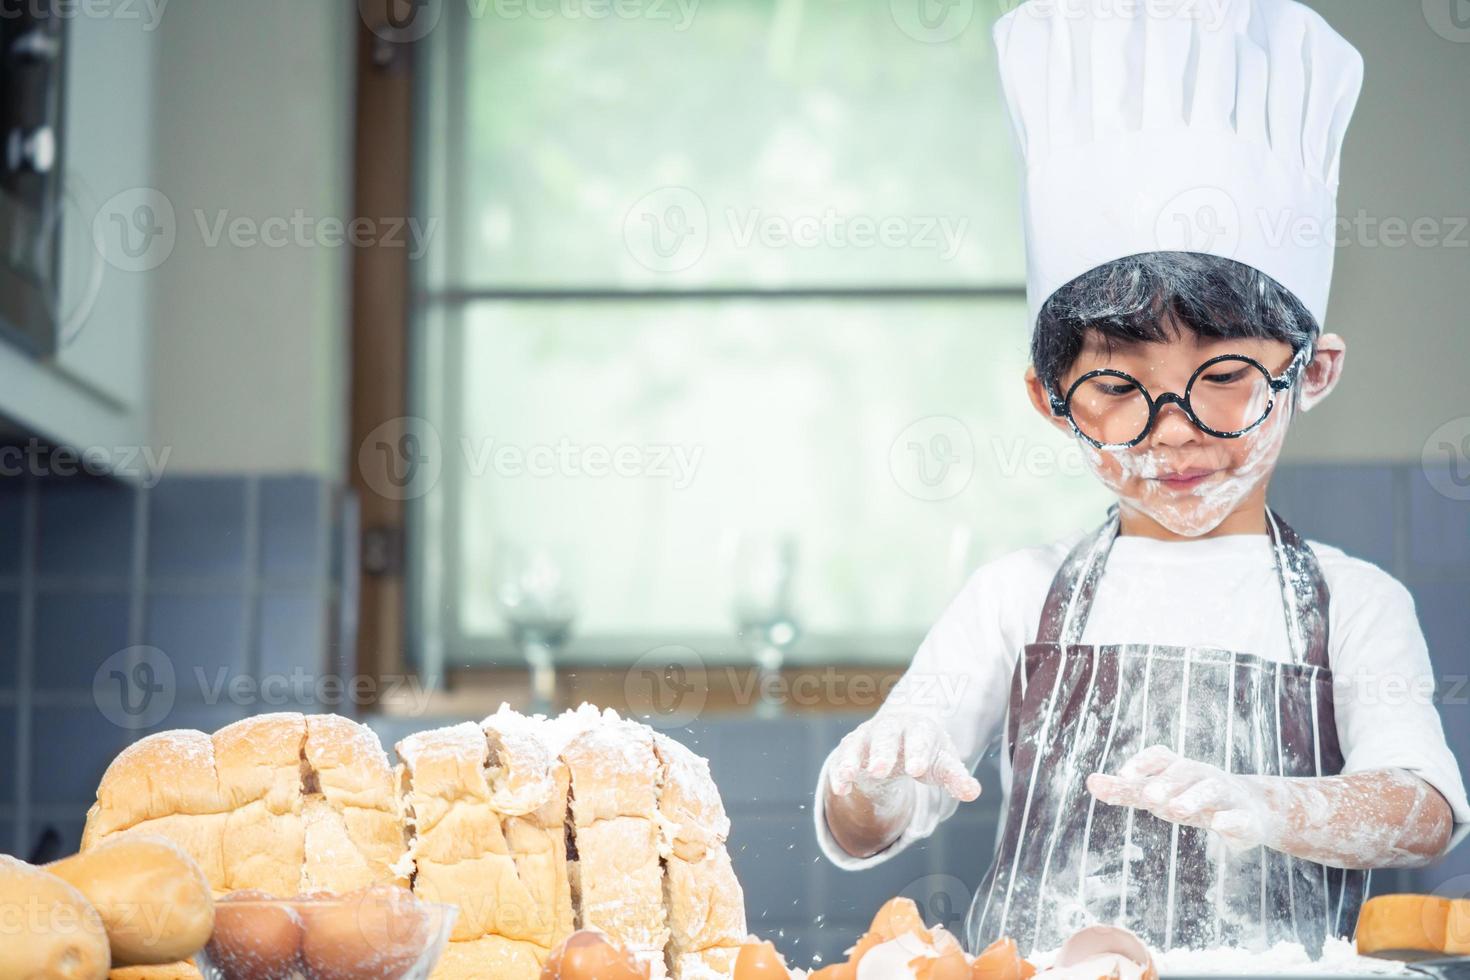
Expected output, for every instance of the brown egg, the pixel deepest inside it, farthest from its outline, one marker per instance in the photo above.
(590, 955)
(760, 961)
(373, 934)
(254, 942)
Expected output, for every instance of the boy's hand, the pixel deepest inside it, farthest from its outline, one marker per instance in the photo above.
(1381, 818)
(894, 745)
(1158, 780)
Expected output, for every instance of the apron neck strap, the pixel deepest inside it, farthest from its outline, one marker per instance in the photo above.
(1304, 595)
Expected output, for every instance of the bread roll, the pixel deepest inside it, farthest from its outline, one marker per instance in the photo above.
(154, 901)
(51, 932)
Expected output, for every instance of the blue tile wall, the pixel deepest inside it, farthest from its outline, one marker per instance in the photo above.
(1353, 507)
(74, 634)
(9, 638)
(294, 529)
(212, 628)
(8, 751)
(1439, 526)
(86, 529)
(12, 528)
(189, 567)
(196, 529)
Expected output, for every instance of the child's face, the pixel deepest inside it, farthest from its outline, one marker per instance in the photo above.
(1180, 476)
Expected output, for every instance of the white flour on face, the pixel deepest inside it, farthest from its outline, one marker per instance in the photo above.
(1132, 475)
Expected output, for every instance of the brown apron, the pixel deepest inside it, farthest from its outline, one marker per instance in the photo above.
(1065, 861)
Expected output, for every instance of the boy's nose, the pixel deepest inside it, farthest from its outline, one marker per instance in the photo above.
(1172, 427)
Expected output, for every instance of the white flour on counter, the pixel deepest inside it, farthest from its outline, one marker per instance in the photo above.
(1339, 956)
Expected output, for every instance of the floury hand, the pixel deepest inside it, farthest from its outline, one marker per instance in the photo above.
(888, 747)
(1377, 819)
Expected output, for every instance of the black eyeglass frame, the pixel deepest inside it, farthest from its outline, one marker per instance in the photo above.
(1063, 406)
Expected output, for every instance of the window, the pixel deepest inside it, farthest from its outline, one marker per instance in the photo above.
(697, 286)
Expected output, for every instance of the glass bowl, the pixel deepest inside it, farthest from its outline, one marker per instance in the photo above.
(381, 934)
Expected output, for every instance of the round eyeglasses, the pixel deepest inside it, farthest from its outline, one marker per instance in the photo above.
(1227, 396)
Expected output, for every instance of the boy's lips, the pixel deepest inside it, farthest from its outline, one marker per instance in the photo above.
(1184, 479)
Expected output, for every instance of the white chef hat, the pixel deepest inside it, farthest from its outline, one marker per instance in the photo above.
(1192, 125)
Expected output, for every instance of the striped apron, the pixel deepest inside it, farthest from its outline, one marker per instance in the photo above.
(1065, 861)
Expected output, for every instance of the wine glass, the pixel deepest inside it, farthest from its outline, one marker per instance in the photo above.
(535, 596)
(765, 616)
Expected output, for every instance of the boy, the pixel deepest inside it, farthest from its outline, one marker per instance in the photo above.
(1203, 742)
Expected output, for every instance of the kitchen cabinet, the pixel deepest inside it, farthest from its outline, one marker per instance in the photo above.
(91, 393)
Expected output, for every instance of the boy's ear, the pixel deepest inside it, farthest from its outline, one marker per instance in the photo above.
(1321, 374)
(1041, 401)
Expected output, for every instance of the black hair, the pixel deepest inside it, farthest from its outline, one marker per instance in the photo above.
(1129, 300)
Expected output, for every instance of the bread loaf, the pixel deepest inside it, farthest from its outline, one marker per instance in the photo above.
(532, 827)
(154, 901)
(51, 931)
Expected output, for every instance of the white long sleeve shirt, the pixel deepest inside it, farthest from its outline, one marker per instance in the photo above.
(1219, 592)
